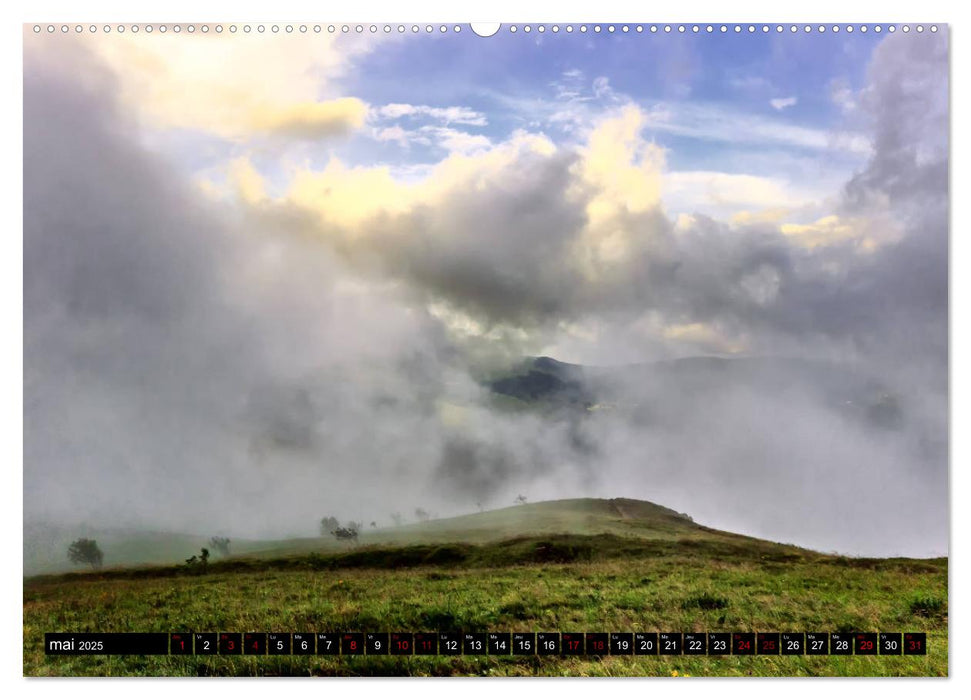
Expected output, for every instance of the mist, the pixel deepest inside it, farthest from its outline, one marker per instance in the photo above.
(202, 366)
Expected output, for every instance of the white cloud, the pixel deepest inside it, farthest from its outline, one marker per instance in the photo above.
(456, 141)
(602, 89)
(448, 115)
(843, 96)
(392, 133)
(721, 194)
(781, 103)
(715, 123)
(444, 137)
(282, 85)
(707, 121)
(570, 87)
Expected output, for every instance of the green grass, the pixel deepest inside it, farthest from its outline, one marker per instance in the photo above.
(672, 576)
(578, 516)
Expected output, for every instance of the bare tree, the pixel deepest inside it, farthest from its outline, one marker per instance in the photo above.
(422, 514)
(520, 500)
(220, 544)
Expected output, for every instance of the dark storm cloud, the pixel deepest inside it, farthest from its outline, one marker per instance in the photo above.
(497, 249)
(502, 261)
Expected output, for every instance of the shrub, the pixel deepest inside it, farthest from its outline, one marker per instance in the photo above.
(927, 606)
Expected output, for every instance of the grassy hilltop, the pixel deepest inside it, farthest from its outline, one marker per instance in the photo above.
(579, 565)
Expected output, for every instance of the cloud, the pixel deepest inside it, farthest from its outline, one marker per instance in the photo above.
(256, 362)
(512, 232)
(247, 181)
(311, 120)
(517, 237)
(570, 86)
(906, 101)
(701, 337)
(781, 103)
(579, 107)
(602, 89)
(192, 371)
(725, 194)
(715, 123)
(392, 133)
(447, 115)
(843, 96)
(440, 135)
(456, 141)
(832, 230)
(279, 85)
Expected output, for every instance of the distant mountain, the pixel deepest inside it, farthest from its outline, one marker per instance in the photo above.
(665, 385)
(546, 379)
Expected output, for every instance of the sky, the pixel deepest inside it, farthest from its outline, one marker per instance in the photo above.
(264, 273)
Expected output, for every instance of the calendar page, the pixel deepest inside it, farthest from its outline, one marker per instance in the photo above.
(514, 349)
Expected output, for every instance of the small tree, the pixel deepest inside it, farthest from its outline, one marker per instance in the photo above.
(520, 500)
(422, 514)
(373, 524)
(328, 525)
(201, 561)
(354, 525)
(220, 544)
(396, 519)
(345, 533)
(85, 551)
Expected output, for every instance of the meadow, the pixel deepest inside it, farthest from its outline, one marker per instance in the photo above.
(652, 570)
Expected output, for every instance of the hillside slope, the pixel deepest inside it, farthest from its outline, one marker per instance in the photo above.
(599, 523)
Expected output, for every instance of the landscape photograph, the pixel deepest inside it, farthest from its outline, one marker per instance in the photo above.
(447, 350)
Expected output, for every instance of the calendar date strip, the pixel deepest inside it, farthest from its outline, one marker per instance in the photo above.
(487, 643)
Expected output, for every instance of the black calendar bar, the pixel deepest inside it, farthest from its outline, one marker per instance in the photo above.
(488, 643)
(109, 643)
